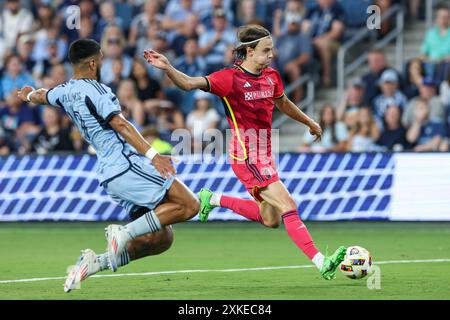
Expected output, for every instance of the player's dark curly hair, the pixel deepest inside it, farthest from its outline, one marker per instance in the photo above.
(249, 33)
(82, 49)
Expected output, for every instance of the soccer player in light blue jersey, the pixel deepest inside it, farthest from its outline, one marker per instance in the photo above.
(134, 175)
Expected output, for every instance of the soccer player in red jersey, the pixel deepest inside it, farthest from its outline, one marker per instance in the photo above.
(249, 90)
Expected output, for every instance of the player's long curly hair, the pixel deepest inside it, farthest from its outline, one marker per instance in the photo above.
(249, 33)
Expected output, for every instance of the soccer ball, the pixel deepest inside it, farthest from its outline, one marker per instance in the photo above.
(357, 262)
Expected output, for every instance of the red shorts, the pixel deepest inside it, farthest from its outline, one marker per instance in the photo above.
(255, 176)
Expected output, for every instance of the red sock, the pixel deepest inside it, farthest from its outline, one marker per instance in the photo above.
(246, 208)
(299, 233)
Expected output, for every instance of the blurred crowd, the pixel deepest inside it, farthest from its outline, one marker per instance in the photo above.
(387, 109)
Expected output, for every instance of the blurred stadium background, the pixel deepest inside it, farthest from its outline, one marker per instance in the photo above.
(380, 89)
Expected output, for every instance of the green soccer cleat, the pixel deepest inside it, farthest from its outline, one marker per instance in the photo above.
(205, 206)
(331, 263)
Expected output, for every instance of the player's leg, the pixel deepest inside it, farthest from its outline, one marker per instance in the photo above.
(180, 204)
(89, 263)
(255, 211)
(277, 196)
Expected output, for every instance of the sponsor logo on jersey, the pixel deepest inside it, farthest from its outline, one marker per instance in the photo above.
(255, 95)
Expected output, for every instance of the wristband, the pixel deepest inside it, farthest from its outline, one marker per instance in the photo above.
(29, 95)
(151, 153)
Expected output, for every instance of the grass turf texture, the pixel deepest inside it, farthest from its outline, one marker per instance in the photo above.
(33, 250)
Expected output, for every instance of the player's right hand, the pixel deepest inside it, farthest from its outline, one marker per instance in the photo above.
(156, 59)
(164, 165)
(315, 130)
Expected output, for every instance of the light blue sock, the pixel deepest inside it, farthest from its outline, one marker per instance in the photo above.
(148, 223)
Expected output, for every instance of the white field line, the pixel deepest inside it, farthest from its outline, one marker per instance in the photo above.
(214, 270)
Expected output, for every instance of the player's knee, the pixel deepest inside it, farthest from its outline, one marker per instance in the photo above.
(167, 239)
(287, 204)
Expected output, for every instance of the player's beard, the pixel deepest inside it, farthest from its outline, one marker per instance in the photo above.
(97, 73)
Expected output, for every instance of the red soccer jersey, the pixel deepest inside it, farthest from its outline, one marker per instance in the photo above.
(248, 101)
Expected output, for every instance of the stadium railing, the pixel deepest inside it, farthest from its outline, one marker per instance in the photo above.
(344, 69)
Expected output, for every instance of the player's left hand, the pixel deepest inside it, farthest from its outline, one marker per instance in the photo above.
(22, 93)
(315, 130)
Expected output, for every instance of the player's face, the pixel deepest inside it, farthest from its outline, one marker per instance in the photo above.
(262, 55)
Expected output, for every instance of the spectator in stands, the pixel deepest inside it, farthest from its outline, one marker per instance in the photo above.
(353, 98)
(293, 54)
(20, 122)
(132, 107)
(188, 31)
(427, 92)
(436, 45)
(13, 77)
(151, 134)
(149, 90)
(161, 45)
(414, 76)
(334, 136)
(390, 95)
(143, 43)
(425, 134)
(87, 10)
(142, 21)
(167, 118)
(247, 13)
(48, 31)
(192, 64)
(365, 133)
(213, 43)
(202, 118)
(24, 50)
(393, 136)
(46, 17)
(113, 45)
(86, 30)
(207, 14)
(124, 11)
(59, 75)
(117, 69)
(14, 21)
(52, 137)
(280, 25)
(377, 65)
(176, 12)
(325, 25)
(44, 66)
(107, 17)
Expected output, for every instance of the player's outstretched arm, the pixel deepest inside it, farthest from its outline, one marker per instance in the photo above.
(133, 137)
(29, 94)
(180, 79)
(289, 108)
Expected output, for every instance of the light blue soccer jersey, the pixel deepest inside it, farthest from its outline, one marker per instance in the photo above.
(91, 105)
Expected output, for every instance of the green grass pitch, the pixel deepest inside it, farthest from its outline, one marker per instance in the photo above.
(42, 250)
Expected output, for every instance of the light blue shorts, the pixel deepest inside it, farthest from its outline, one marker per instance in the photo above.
(140, 186)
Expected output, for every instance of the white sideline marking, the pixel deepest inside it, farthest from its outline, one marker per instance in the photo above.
(215, 270)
